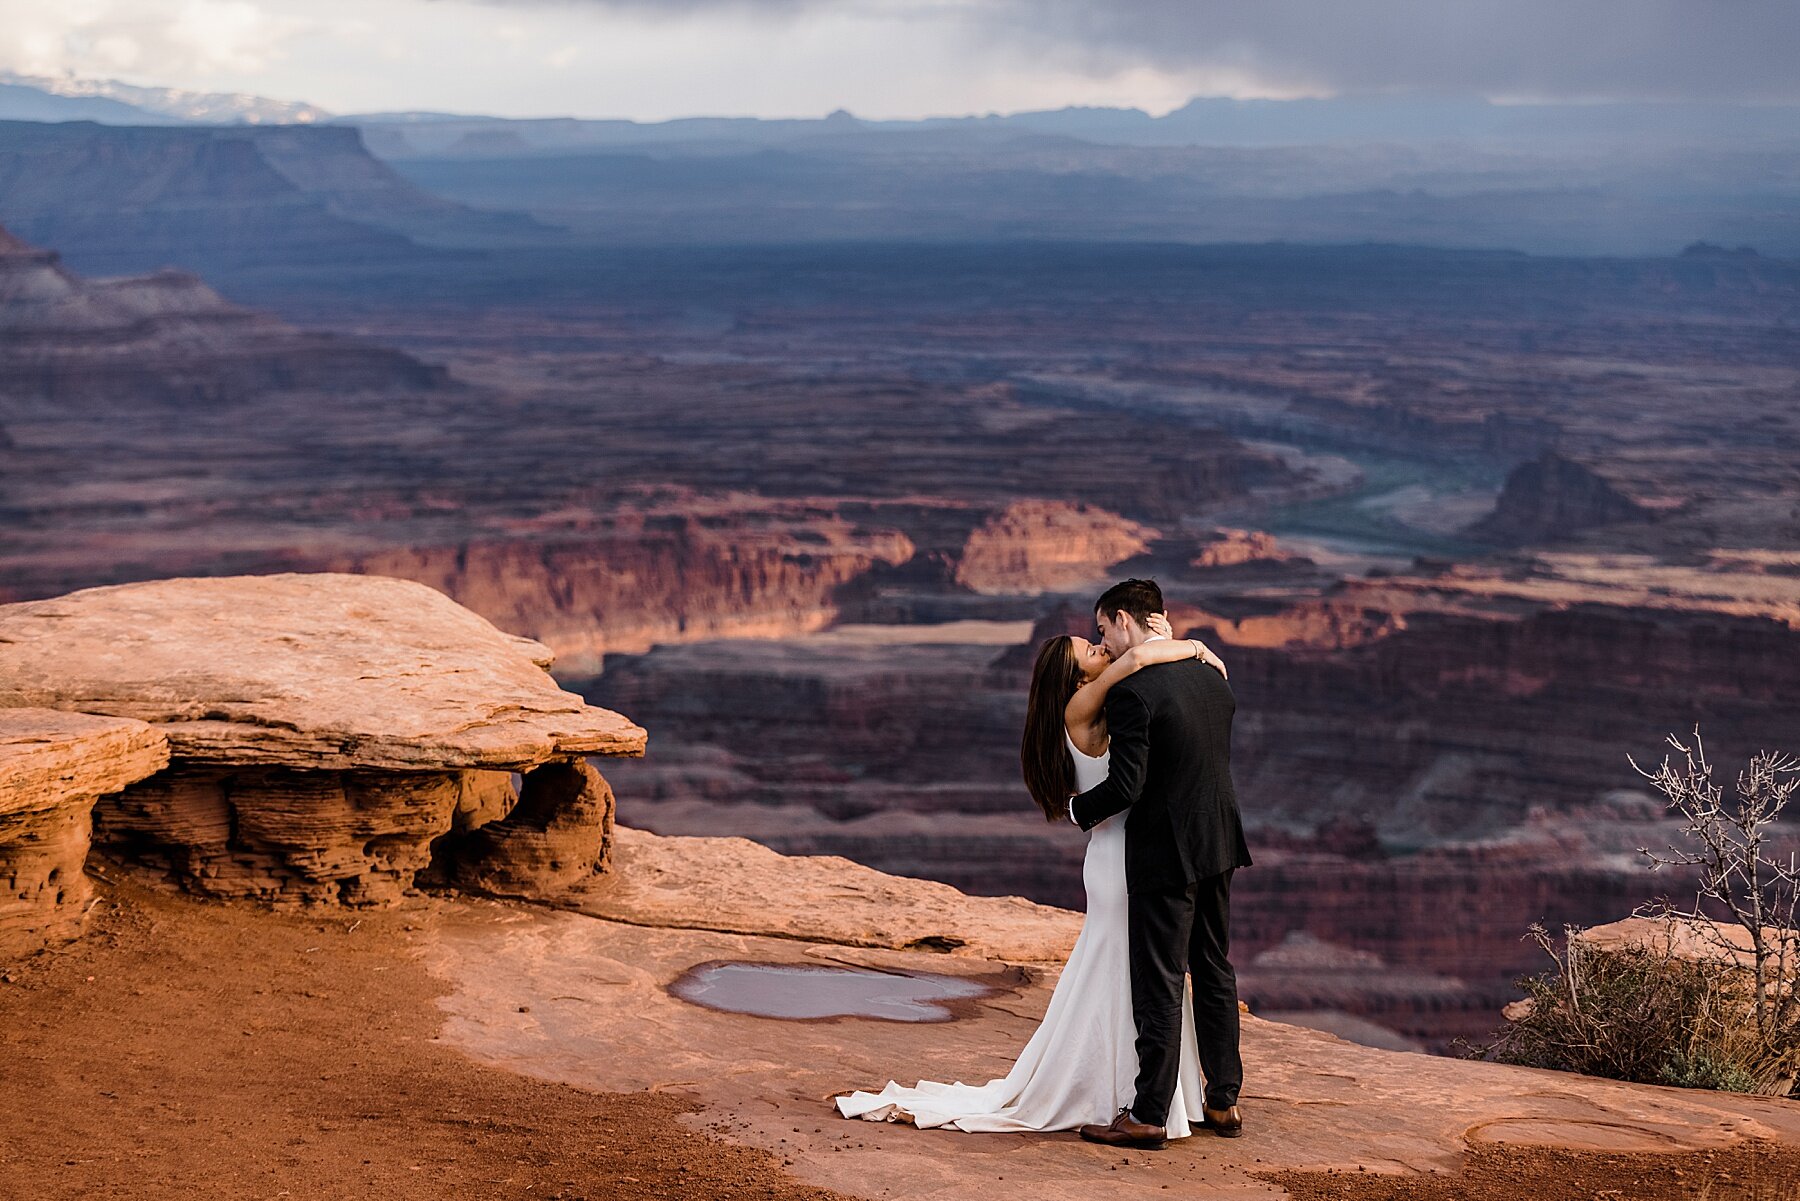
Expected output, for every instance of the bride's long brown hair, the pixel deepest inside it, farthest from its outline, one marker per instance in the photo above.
(1043, 753)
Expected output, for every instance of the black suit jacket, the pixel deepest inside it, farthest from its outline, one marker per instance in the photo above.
(1170, 729)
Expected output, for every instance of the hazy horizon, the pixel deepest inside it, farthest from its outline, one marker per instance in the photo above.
(628, 60)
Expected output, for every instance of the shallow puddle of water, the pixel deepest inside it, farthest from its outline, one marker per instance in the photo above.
(801, 992)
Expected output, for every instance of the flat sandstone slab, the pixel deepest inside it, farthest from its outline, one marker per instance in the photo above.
(738, 886)
(566, 997)
(317, 671)
(50, 758)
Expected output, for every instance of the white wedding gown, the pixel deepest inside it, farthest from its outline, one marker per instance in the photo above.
(1081, 1064)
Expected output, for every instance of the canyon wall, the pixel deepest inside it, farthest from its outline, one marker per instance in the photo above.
(671, 577)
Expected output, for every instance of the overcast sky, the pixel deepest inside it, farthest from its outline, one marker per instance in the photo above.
(653, 59)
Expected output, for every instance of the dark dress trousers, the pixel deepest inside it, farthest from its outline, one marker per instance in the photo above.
(1170, 732)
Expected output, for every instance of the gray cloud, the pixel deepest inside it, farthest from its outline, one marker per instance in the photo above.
(1742, 49)
(1587, 49)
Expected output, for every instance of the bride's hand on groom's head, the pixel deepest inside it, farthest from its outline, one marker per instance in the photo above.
(1159, 624)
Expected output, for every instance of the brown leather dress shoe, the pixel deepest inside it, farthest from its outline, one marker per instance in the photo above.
(1127, 1131)
(1226, 1123)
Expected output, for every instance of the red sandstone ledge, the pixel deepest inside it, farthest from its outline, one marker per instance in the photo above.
(321, 672)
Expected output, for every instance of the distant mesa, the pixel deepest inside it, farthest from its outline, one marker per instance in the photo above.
(1707, 250)
(1552, 498)
(165, 337)
(1234, 548)
(121, 199)
(1311, 982)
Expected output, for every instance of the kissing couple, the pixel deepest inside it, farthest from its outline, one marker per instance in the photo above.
(1129, 739)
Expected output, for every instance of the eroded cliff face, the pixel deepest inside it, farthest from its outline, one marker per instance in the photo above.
(1465, 714)
(658, 577)
(686, 567)
(53, 768)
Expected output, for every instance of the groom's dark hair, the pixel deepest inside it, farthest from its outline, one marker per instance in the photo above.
(1140, 598)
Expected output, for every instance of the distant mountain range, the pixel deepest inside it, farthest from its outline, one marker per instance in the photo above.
(1413, 118)
(1418, 120)
(49, 98)
(252, 181)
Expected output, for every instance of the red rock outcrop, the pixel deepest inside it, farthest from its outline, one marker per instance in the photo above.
(1233, 548)
(733, 884)
(1046, 546)
(53, 767)
(557, 835)
(325, 731)
(280, 835)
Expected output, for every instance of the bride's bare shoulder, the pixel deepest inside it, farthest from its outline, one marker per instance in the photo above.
(1091, 743)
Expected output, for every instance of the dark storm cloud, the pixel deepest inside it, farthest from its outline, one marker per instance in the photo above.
(1736, 49)
(1570, 48)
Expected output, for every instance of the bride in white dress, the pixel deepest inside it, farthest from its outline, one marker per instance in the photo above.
(1081, 1064)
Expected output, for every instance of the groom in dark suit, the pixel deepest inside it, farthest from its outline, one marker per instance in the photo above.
(1170, 732)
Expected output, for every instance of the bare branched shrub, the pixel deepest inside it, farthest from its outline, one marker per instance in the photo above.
(1694, 1001)
(1728, 848)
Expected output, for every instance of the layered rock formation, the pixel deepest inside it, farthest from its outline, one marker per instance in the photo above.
(165, 338)
(556, 836)
(610, 504)
(699, 570)
(1233, 548)
(1037, 546)
(325, 731)
(53, 767)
